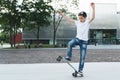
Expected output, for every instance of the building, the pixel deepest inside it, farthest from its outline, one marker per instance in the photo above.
(104, 30)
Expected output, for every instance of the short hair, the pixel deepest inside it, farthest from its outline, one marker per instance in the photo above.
(82, 13)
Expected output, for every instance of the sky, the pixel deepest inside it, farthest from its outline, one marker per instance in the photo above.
(85, 3)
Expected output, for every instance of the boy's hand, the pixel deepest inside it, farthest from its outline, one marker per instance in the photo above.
(66, 17)
(60, 12)
(93, 12)
(93, 5)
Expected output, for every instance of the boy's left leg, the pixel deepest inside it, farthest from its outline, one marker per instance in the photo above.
(83, 48)
(71, 43)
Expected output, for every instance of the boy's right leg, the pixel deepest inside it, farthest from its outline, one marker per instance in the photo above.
(71, 43)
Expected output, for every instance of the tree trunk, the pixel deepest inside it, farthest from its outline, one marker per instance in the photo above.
(54, 32)
(11, 38)
(14, 36)
(38, 32)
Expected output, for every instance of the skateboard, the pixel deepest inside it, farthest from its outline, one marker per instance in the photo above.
(75, 74)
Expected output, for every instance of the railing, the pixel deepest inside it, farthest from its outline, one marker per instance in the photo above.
(104, 41)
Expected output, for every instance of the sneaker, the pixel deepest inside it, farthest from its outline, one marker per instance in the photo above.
(67, 58)
(80, 74)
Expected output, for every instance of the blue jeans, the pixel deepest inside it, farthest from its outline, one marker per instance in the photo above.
(83, 48)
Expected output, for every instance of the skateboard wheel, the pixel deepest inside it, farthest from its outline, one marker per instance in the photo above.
(59, 58)
(81, 75)
(74, 74)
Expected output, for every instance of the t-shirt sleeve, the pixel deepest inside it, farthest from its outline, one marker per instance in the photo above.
(88, 21)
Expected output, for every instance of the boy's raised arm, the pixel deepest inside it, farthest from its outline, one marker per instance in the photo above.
(93, 12)
(66, 17)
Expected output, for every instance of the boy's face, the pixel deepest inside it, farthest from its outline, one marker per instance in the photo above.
(82, 19)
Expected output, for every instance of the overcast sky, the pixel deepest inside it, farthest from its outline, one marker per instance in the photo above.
(85, 3)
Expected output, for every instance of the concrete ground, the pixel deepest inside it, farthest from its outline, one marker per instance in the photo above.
(102, 63)
(61, 71)
(28, 56)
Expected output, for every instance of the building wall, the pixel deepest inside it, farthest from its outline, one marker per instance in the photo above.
(106, 21)
(118, 29)
(106, 18)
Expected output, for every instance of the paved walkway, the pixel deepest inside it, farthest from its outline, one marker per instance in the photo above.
(28, 56)
(89, 46)
(4, 46)
(104, 47)
(39, 64)
(59, 71)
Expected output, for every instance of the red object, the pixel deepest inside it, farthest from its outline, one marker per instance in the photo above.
(18, 38)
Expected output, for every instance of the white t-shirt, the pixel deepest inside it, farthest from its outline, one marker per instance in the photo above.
(82, 30)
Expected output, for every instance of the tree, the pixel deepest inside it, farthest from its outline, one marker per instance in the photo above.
(57, 21)
(4, 34)
(56, 24)
(11, 17)
(15, 16)
(39, 15)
